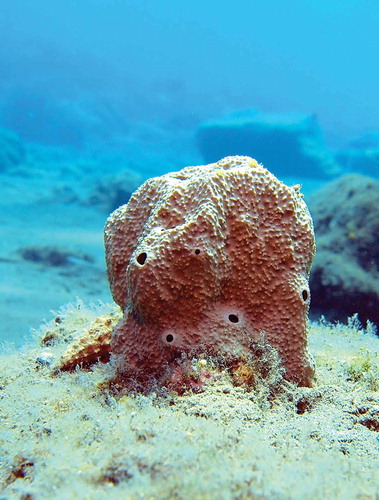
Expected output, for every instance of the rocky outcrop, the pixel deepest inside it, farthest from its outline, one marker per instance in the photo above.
(290, 144)
(345, 274)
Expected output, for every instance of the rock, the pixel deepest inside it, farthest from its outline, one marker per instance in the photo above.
(369, 140)
(42, 117)
(114, 190)
(291, 144)
(51, 256)
(12, 151)
(364, 161)
(345, 275)
(361, 155)
(203, 261)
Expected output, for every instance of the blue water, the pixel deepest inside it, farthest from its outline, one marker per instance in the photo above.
(94, 88)
(128, 60)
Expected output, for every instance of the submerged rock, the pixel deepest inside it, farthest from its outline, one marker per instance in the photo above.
(364, 161)
(114, 190)
(12, 151)
(52, 256)
(361, 155)
(291, 144)
(345, 275)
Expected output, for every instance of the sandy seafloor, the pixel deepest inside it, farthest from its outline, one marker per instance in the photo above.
(66, 435)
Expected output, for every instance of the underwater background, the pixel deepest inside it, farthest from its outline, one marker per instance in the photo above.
(97, 96)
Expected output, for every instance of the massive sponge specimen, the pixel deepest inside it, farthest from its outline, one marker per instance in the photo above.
(203, 261)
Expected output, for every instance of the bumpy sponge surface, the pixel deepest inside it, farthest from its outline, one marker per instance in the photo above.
(205, 260)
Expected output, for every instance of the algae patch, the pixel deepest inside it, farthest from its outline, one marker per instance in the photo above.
(66, 435)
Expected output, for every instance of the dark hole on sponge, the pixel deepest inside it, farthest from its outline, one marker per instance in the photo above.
(197, 251)
(169, 337)
(141, 259)
(233, 318)
(304, 294)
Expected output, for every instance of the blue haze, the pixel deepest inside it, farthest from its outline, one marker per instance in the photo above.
(157, 60)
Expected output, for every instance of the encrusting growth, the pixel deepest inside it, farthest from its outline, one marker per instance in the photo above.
(93, 347)
(203, 261)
